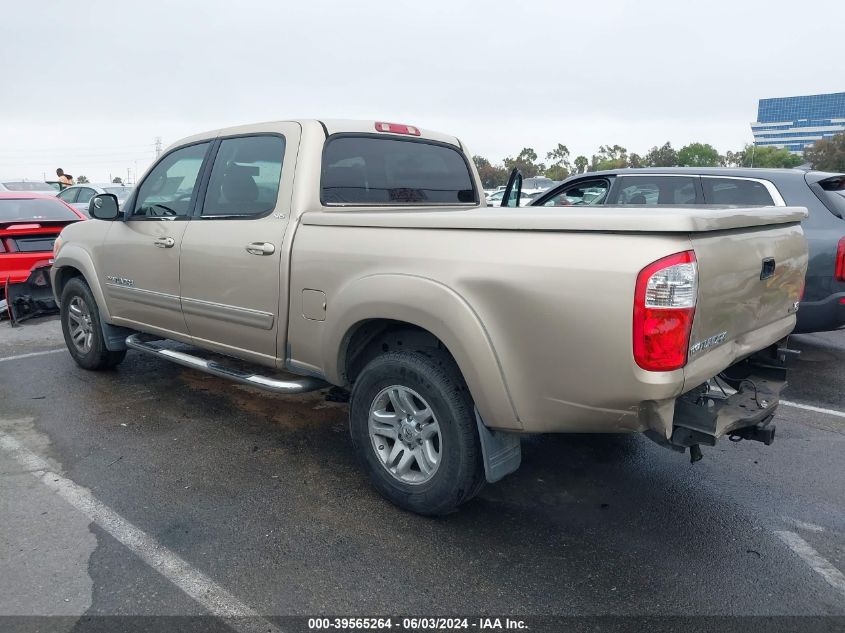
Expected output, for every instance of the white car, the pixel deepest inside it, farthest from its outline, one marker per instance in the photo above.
(78, 196)
(526, 196)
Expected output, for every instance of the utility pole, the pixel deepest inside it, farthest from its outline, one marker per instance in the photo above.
(158, 146)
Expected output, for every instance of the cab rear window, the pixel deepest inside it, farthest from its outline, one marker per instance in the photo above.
(367, 170)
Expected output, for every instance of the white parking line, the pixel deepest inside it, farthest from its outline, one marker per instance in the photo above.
(31, 354)
(197, 585)
(809, 407)
(812, 527)
(820, 565)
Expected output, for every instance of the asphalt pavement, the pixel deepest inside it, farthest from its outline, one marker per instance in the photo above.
(155, 490)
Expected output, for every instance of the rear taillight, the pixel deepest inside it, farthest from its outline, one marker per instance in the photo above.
(840, 261)
(664, 306)
(397, 128)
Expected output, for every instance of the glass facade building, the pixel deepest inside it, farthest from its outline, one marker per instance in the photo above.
(797, 122)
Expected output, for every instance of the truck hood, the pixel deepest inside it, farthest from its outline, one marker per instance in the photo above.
(680, 219)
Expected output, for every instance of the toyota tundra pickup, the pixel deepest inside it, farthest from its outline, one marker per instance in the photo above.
(361, 256)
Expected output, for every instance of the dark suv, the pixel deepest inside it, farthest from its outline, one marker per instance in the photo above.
(823, 304)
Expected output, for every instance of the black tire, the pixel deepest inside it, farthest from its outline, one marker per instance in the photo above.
(98, 356)
(436, 378)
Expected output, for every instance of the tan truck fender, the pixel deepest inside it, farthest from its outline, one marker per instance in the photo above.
(436, 308)
(73, 260)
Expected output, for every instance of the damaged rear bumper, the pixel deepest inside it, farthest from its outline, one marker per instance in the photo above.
(739, 403)
(32, 297)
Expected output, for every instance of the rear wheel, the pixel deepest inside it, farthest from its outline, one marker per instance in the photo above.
(414, 430)
(82, 330)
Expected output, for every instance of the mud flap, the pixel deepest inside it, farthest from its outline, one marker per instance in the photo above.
(502, 451)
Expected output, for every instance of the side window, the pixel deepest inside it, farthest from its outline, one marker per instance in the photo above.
(85, 195)
(68, 195)
(245, 177)
(735, 191)
(654, 190)
(168, 189)
(581, 193)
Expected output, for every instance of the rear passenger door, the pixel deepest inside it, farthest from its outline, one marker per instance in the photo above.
(232, 268)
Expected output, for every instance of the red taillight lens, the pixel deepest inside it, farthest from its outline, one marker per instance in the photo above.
(840, 261)
(396, 128)
(664, 307)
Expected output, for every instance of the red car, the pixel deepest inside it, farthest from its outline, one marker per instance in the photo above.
(29, 225)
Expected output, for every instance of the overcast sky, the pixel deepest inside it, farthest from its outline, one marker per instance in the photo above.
(89, 85)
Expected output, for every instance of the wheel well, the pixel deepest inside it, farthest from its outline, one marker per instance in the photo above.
(64, 275)
(376, 336)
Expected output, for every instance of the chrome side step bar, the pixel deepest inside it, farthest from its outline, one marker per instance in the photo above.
(142, 343)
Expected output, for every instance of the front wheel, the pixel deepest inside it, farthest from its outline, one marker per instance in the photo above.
(414, 430)
(82, 329)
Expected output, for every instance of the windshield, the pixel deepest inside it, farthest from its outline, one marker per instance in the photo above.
(24, 185)
(29, 209)
(121, 192)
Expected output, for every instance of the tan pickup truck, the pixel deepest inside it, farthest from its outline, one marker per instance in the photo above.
(361, 255)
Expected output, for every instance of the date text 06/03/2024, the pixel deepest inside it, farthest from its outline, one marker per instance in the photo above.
(416, 624)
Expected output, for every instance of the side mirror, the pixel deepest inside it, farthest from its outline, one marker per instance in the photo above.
(104, 206)
(513, 191)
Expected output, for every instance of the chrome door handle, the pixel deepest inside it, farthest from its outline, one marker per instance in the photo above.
(260, 248)
(164, 242)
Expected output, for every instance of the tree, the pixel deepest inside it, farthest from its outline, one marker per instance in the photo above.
(609, 157)
(698, 155)
(525, 162)
(491, 176)
(664, 156)
(81, 180)
(827, 154)
(753, 156)
(636, 161)
(764, 156)
(117, 180)
(561, 167)
(581, 163)
(733, 159)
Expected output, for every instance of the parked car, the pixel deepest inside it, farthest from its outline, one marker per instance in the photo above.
(29, 225)
(26, 186)
(359, 255)
(526, 196)
(823, 302)
(78, 196)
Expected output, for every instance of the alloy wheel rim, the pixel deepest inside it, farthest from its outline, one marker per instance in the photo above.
(405, 434)
(80, 325)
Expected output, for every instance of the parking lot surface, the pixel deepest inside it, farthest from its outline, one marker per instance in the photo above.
(157, 490)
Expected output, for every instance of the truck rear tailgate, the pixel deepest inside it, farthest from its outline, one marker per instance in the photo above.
(749, 284)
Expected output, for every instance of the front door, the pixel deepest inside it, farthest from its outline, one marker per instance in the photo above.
(232, 265)
(139, 259)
